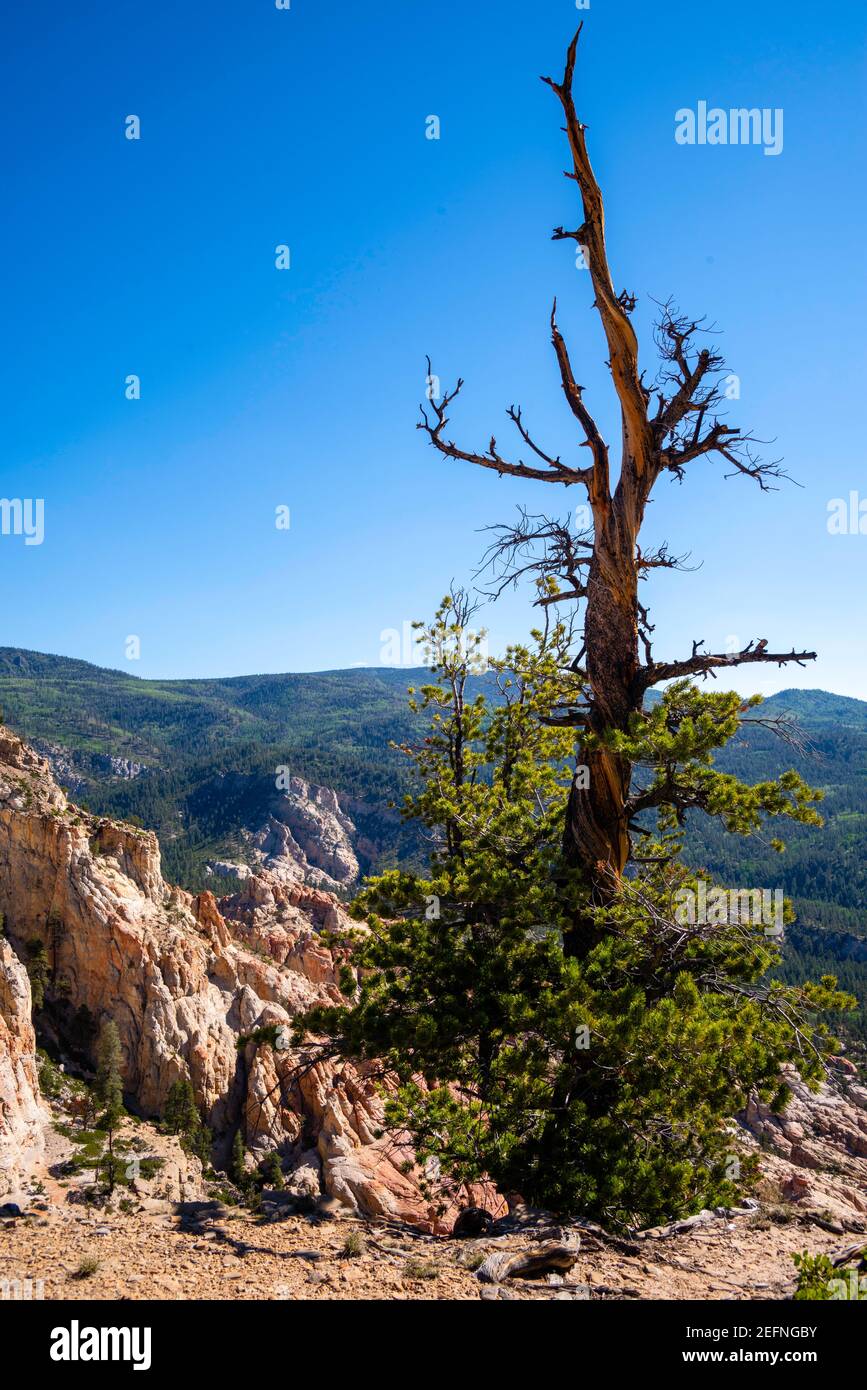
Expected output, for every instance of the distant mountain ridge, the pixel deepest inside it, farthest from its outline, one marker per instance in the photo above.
(117, 713)
(160, 750)
(121, 714)
(196, 761)
(183, 737)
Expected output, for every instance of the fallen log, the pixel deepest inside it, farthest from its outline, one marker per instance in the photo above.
(549, 1258)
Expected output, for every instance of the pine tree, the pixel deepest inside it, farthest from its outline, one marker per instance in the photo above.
(274, 1171)
(181, 1116)
(549, 1013)
(600, 1081)
(238, 1170)
(669, 426)
(38, 973)
(198, 1142)
(109, 1092)
(109, 1077)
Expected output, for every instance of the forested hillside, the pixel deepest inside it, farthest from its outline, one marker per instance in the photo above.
(336, 728)
(333, 728)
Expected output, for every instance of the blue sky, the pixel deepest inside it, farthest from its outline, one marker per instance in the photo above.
(262, 387)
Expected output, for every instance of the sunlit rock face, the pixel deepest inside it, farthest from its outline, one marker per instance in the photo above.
(185, 979)
(22, 1114)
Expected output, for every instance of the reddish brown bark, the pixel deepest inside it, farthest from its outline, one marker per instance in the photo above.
(681, 426)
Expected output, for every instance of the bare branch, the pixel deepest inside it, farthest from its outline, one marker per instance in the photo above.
(599, 488)
(673, 334)
(688, 423)
(660, 559)
(514, 414)
(787, 729)
(548, 550)
(704, 664)
(620, 335)
(554, 472)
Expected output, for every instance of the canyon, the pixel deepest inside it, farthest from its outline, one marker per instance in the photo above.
(207, 990)
(186, 982)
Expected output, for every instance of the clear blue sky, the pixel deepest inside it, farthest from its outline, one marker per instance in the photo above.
(262, 387)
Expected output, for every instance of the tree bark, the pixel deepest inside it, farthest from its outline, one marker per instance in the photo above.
(683, 428)
(597, 832)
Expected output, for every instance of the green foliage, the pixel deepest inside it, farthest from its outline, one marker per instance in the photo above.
(111, 1169)
(211, 748)
(273, 1171)
(181, 1113)
(819, 1281)
(51, 1078)
(676, 738)
(90, 1145)
(807, 956)
(108, 1086)
(238, 1167)
(181, 1116)
(353, 1246)
(600, 1078)
(38, 972)
(267, 1036)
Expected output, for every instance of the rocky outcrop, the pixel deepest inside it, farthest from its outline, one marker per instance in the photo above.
(208, 990)
(78, 771)
(22, 1114)
(307, 836)
(122, 944)
(816, 1151)
(196, 988)
(228, 869)
(270, 912)
(295, 831)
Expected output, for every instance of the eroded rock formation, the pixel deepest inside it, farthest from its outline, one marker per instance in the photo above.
(307, 832)
(22, 1115)
(208, 990)
(816, 1151)
(187, 980)
(298, 832)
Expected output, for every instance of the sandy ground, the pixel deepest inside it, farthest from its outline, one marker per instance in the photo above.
(155, 1254)
(159, 1246)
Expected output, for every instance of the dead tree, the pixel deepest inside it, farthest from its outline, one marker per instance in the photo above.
(665, 429)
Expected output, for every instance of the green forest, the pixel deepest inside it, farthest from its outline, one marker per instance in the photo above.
(210, 749)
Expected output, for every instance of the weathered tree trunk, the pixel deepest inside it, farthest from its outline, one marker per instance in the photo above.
(597, 832)
(604, 573)
(596, 836)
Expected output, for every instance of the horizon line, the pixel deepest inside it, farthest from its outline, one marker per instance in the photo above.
(324, 671)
